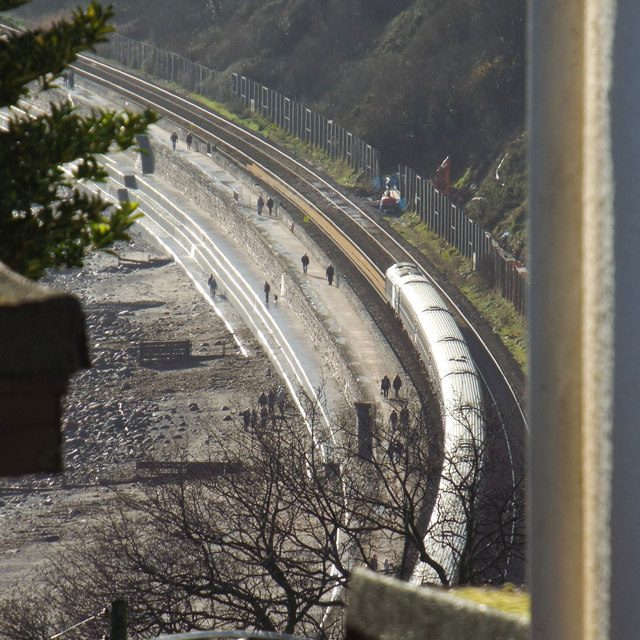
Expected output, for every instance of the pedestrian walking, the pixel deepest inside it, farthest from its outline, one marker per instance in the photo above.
(393, 419)
(305, 263)
(262, 399)
(260, 204)
(174, 140)
(373, 563)
(404, 417)
(270, 204)
(397, 383)
(282, 396)
(246, 419)
(385, 565)
(330, 271)
(385, 385)
(267, 288)
(271, 399)
(189, 141)
(264, 416)
(213, 286)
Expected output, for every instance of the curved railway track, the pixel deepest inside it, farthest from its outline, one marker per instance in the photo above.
(365, 249)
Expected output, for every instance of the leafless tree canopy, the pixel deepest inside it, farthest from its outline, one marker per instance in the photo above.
(265, 533)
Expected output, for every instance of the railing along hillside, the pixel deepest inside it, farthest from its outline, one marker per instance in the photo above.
(476, 244)
(434, 208)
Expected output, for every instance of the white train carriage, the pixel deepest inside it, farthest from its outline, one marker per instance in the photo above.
(437, 337)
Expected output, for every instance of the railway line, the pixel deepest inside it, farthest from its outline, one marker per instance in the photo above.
(361, 247)
(364, 248)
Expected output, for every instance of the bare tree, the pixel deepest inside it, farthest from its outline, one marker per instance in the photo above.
(263, 535)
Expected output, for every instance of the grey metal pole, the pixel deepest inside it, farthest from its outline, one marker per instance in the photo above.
(118, 620)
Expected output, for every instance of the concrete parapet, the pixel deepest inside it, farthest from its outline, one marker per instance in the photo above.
(381, 608)
(43, 342)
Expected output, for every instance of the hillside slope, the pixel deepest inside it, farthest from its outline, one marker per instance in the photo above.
(418, 79)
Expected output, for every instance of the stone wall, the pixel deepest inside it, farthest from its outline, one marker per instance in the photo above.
(219, 203)
(380, 608)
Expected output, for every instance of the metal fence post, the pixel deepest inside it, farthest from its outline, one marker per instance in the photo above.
(118, 620)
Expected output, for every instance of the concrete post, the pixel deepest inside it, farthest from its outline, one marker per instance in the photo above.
(584, 404)
(365, 435)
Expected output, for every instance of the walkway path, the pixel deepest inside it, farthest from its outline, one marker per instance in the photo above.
(368, 353)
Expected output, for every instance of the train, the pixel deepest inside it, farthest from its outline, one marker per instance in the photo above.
(440, 343)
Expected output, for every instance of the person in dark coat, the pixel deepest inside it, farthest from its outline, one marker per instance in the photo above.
(262, 400)
(260, 204)
(213, 286)
(270, 204)
(267, 288)
(189, 140)
(264, 416)
(404, 417)
(305, 263)
(397, 383)
(246, 419)
(330, 273)
(393, 419)
(174, 140)
(271, 399)
(385, 385)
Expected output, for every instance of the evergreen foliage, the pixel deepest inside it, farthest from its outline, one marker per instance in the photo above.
(46, 218)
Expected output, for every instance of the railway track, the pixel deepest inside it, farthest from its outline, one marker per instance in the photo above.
(363, 247)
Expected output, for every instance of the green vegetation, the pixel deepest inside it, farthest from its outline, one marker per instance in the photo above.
(418, 79)
(507, 323)
(500, 203)
(46, 218)
(507, 598)
(339, 170)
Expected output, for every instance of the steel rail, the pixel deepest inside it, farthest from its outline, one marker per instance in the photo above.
(364, 264)
(373, 274)
(331, 230)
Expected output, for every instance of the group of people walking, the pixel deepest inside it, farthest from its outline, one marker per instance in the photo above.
(265, 410)
(261, 205)
(188, 140)
(329, 272)
(399, 419)
(387, 567)
(386, 384)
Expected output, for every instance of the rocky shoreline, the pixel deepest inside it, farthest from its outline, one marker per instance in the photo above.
(118, 412)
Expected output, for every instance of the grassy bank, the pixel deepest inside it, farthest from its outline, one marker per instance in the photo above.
(506, 322)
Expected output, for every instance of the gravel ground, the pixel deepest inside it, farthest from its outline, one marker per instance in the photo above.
(119, 412)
